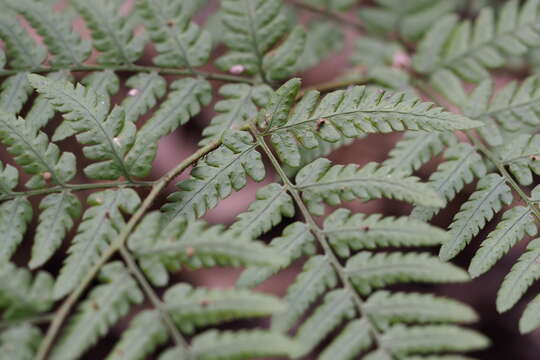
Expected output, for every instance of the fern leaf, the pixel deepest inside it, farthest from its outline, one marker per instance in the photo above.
(178, 41)
(58, 212)
(347, 232)
(22, 51)
(216, 176)
(20, 342)
(415, 149)
(161, 244)
(321, 181)
(185, 100)
(338, 305)
(295, 241)
(239, 345)
(530, 320)
(9, 178)
(105, 304)
(100, 225)
(34, 153)
(237, 108)
(144, 334)
(323, 38)
(22, 295)
(371, 271)
(105, 83)
(316, 277)
(469, 49)
(490, 196)
(15, 215)
(387, 308)
(353, 339)
(520, 278)
(462, 164)
(14, 92)
(112, 34)
(107, 137)
(522, 156)
(195, 308)
(401, 340)
(271, 205)
(146, 90)
(282, 62)
(515, 224)
(65, 44)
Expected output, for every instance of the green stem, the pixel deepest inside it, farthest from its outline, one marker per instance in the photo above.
(321, 239)
(38, 319)
(135, 69)
(332, 15)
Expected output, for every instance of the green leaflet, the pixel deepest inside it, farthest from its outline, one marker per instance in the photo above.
(15, 215)
(58, 212)
(316, 278)
(107, 136)
(522, 155)
(197, 308)
(178, 41)
(354, 338)
(296, 240)
(21, 49)
(162, 245)
(462, 164)
(105, 83)
(321, 181)
(515, 224)
(184, 101)
(216, 176)
(469, 49)
(111, 33)
(9, 178)
(491, 195)
(387, 308)
(146, 89)
(239, 106)
(22, 294)
(101, 224)
(20, 342)
(105, 304)
(62, 41)
(371, 271)
(272, 203)
(337, 5)
(530, 319)
(520, 278)
(282, 62)
(347, 232)
(14, 93)
(323, 38)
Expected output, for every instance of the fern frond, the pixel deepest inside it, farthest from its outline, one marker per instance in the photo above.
(282, 62)
(105, 304)
(15, 215)
(58, 213)
(65, 44)
(347, 232)
(239, 105)
(14, 92)
(462, 164)
(105, 83)
(20, 342)
(370, 271)
(146, 90)
(216, 176)
(337, 306)
(178, 41)
(22, 51)
(185, 100)
(321, 181)
(295, 241)
(322, 40)
(515, 224)
(416, 148)
(32, 151)
(193, 308)
(101, 223)
(520, 278)
(353, 339)
(112, 34)
(387, 308)
(107, 136)
(491, 194)
(163, 245)
(469, 49)
(522, 155)
(271, 205)
(22, 294)
(316, 278)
